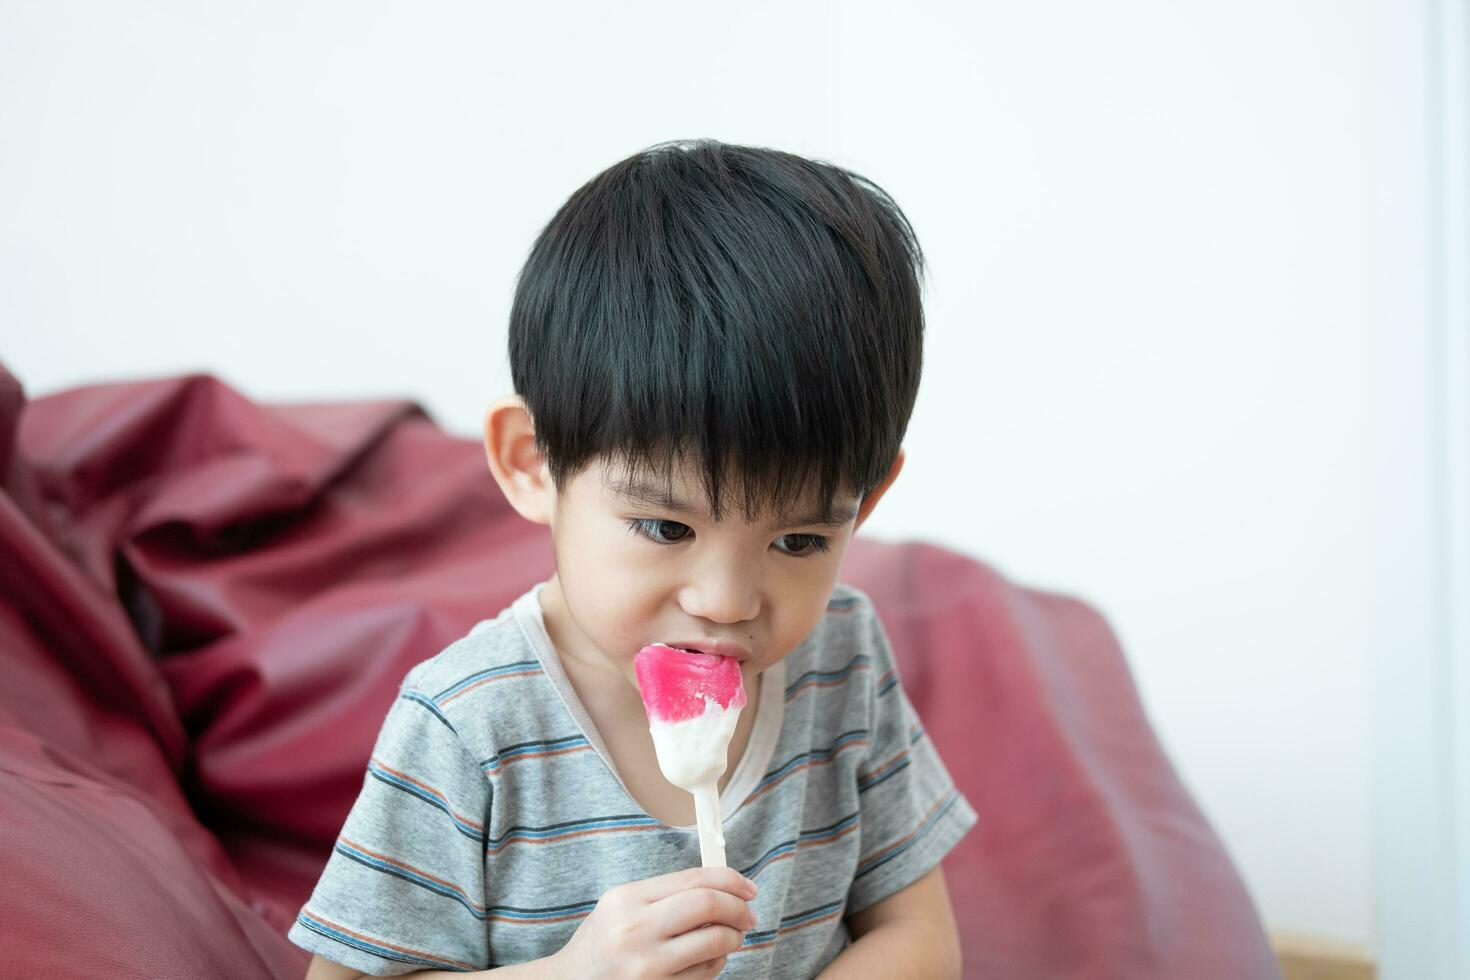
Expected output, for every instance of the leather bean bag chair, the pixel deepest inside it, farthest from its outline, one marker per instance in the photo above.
(207, 605)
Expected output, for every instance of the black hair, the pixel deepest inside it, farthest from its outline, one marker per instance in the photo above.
(752, 309)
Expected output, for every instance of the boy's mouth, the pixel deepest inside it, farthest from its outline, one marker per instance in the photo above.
(711, 649)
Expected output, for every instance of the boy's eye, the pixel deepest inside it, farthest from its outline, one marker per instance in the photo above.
(664, 532)
(802, 544)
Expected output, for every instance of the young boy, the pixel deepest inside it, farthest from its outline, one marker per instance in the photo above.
(716, 350)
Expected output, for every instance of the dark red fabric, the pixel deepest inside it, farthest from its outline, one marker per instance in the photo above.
(207, 605)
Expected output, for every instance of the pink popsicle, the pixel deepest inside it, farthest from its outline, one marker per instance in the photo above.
(677, 684)
(693, 701)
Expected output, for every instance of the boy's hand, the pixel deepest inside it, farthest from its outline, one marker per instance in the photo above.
(676, 925)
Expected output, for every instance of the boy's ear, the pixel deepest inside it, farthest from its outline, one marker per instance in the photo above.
(516, 463)
(871, 500)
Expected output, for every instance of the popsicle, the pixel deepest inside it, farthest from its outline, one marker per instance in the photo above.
(693, 701)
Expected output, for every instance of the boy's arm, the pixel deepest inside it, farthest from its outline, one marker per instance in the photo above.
(911, 933)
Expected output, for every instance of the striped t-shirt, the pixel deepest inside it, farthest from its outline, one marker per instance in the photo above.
(492, 819)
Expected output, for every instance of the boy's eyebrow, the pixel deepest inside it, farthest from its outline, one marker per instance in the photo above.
(637, 492)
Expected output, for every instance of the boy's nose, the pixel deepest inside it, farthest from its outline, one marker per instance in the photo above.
(723, 596)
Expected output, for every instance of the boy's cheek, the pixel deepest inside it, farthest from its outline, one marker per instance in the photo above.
(616, 606)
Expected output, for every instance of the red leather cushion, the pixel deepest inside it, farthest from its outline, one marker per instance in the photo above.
(1089, 858)
(107, 871)
(97, 884)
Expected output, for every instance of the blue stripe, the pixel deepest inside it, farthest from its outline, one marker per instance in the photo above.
(768, 857)
(821, 675)
(513, 752)
(876, 778)
(374, 948)
(805, 756)
(532, 915)
(832, 828)
(807, 916)
(504, 911)
(472, 833)
(927, 826)
(526, 748)
(516, 667)
(418, 698)
(754, 938)
(555, 830)
(406, 875)
(789, 846)
(889, 684)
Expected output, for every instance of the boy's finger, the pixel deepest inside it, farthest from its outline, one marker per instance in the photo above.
(699, 946)
(725, 879)
(678, 914)
(702, 971)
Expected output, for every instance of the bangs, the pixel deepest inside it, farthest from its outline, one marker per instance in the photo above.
(750, 314)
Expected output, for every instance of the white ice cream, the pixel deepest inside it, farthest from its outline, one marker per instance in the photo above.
(693, 752)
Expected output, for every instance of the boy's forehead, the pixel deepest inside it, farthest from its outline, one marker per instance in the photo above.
(678, 488)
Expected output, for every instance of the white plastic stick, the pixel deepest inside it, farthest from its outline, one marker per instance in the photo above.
(707, 815)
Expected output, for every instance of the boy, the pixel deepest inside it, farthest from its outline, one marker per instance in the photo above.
(715, 350)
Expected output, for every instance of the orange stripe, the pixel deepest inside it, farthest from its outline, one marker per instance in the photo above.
(486, 680)
(870, 772)
(379, 942)
(549, 840)
(535, 755)
(787, 855)
(811, 922)
(428, 789)
(906, 838)
(537, 922)
(782, 932)
(418, 871)
(831, 683)
(449, 884)
(805, 765)
(829, 838)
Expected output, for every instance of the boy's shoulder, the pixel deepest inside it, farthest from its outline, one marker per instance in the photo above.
(488, 664)
(489, 645)
(850, 616)
(847, 599)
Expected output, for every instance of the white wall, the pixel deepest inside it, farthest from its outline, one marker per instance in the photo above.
(1177, 312)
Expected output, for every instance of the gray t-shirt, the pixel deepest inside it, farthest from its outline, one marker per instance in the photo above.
(492, 818)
